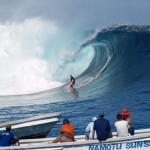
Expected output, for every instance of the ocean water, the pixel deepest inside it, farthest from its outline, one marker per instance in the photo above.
(112, 71)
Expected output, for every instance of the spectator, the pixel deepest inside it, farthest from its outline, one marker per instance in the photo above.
(126, 116)
(102, 128)
(7, 137)
(89, 129)
(66, 132)
(122, 126)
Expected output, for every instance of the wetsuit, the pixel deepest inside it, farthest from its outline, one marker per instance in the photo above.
(72, 82)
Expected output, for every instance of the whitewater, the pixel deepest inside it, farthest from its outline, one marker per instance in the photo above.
(111, 67)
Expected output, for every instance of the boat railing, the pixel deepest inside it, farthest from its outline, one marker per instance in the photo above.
(139, 134)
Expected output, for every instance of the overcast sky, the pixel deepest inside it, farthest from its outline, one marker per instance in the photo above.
(85, 14)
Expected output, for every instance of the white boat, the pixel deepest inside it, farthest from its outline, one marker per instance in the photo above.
(139, 141)
(33, 127)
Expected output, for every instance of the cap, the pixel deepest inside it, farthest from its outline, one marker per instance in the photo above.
(94, 118)
(125, 112)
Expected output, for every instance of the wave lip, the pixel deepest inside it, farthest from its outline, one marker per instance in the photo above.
(103, 56)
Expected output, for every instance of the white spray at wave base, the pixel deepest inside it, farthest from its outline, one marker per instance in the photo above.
(29, 57)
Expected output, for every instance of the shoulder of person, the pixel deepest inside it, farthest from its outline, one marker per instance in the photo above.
(106, 120)
(115, 122)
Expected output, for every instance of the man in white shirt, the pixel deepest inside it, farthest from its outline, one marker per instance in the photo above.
(89, 129)
(122, 126)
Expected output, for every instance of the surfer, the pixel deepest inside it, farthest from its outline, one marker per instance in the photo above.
(72, 82)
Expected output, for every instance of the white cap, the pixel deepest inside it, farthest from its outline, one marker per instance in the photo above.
(94, 118)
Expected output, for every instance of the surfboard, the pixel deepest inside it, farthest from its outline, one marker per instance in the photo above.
(72, 90)
(68, 91)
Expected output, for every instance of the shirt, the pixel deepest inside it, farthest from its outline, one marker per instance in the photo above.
(102, 127)
(122, 128)
(90, 129)
(67, 128)
(6, 138)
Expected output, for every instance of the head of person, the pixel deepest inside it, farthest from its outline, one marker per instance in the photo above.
(8, 127)
(125, 112)
(93, 119)
(119, 117)
(101, 115)
(66, 121)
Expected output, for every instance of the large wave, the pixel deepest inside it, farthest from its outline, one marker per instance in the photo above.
(35, 57)
(102, 60)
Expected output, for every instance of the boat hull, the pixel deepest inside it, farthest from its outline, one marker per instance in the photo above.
(34, 127)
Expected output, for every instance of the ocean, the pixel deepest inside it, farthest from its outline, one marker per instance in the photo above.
(112, 71)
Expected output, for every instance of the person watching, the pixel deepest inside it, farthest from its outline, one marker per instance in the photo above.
(7, 137)
(66, 132)
(102, 128)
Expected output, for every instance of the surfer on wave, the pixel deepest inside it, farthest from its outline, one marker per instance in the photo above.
(72, 82)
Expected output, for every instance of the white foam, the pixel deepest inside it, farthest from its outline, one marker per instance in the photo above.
(34, 57)
(23, 68)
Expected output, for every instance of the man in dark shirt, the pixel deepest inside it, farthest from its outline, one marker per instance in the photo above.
(7, 137)
(102, 128)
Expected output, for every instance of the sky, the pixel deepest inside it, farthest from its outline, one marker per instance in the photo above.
(77, 14)
(34, 34)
